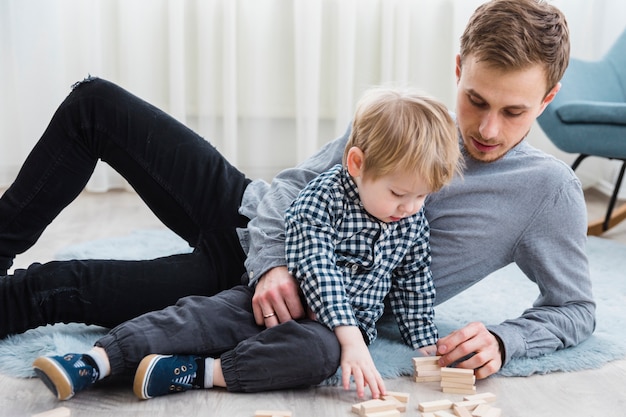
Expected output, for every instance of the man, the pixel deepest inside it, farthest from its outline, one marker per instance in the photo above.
(514, 204)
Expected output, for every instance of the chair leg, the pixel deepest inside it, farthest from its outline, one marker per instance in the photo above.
(611, 219)
(620, 177)
(578, 160)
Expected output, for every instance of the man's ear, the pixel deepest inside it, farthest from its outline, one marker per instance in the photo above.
(457, 69)
(354, 161)
(549, 97)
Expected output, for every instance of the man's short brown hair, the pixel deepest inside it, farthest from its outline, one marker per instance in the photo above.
(516, 34)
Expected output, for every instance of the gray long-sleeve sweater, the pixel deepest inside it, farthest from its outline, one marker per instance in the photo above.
(526, 208)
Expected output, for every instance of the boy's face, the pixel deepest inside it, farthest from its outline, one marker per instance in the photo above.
(392, 197)
(495, 108)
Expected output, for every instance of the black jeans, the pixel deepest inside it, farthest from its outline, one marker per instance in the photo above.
(297, 353)
(184, 180)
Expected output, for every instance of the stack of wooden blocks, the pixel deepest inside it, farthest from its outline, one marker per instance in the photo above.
(427, 369)
(458, 381)
(452, 380)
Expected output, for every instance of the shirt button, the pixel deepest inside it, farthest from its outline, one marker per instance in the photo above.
(251, 274)
(354, 268)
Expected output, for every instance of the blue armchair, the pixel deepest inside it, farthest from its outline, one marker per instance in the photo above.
(588, 117)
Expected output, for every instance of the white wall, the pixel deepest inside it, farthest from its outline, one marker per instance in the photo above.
(267, 81)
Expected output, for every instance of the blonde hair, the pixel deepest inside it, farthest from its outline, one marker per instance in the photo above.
(403, 130)
(516, 34)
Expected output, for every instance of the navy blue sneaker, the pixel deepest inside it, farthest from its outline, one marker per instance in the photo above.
(65, 375)
(165, 374)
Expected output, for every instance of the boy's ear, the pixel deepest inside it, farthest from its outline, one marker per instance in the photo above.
(354, 161)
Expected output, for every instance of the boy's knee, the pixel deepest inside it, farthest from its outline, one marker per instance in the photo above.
(328, 355)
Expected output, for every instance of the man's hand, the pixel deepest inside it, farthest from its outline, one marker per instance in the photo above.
(276, 298)
(471, 339)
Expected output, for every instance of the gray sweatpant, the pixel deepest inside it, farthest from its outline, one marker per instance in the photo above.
(254, 358)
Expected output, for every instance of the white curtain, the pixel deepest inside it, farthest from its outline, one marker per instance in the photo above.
(266, 81)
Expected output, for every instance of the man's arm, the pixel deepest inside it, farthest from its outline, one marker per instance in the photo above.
(276, 291)
(552, 254)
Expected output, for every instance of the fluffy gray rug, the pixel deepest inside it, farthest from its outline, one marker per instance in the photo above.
(508, 292)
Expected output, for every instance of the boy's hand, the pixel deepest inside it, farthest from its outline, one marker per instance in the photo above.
(430, 350)
(357, 362)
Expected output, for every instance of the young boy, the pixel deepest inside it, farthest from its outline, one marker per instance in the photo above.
(356, 234)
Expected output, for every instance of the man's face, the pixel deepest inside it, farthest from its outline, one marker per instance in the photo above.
(495, 109)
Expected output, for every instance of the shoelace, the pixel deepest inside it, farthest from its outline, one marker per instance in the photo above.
(86, 370)
(185, 380)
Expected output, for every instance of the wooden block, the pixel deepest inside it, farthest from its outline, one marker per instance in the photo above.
(376, 406)
(468, 390)
(430, 406)
(426, 367)
(443, 413)
(461, 411)
(420, 372)
(356, 408)
(272, 413)
(426, 360)
(464, 381)
(403, 397)
(400, 406)
(469, 404)
(481, 410)
(467, 379)
(428, 378)
(57, 412)
(488, 397)
(457, 373)
(455, 383)
(388, 413)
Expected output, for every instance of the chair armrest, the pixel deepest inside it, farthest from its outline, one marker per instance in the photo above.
(599, 112)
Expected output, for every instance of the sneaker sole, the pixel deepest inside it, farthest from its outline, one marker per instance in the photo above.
(54, 377)
(145, 368)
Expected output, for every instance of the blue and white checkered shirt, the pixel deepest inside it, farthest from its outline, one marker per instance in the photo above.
(347, 261)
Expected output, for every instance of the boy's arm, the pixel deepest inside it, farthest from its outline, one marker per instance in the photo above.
(356, 361)
(310, 253)
(412, 295)
(310, 244)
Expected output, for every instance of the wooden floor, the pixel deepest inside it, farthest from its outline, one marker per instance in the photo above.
(589, 393)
